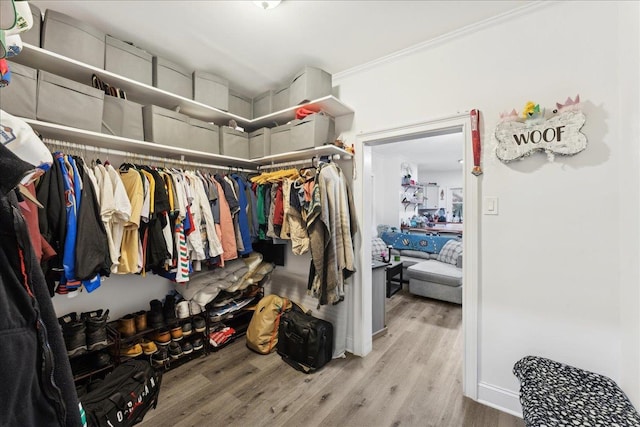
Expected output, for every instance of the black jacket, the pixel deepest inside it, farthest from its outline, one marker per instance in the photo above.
(37, 383)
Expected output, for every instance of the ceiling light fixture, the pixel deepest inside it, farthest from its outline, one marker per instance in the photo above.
(266, 5)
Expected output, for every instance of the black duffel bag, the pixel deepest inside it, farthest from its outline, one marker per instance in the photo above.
(304, 342)
(124, 396)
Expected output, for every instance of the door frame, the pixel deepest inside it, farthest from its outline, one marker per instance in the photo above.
(471, 240)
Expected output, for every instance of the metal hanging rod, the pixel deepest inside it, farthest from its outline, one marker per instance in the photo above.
(144, 157)
(296, 162)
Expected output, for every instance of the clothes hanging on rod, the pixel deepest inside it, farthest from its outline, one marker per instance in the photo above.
(152, 217)
(313, 208)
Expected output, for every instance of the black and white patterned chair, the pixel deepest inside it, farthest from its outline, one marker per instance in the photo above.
(553, 394)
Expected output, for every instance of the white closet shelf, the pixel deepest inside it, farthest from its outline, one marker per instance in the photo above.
(141, 93)
(325, 150)
(329, 104)
(96, 139)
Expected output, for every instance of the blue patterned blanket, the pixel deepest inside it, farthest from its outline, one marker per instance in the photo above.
(416, 242)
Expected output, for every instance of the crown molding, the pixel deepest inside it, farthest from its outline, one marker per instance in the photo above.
(427, 44)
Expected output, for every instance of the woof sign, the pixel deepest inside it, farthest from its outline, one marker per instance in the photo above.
(557, 134)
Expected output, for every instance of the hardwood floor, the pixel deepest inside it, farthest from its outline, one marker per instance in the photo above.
(411, 378)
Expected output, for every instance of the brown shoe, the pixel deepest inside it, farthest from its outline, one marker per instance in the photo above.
(176, 333)
(162, 337)
(127, 326)
(141, 321)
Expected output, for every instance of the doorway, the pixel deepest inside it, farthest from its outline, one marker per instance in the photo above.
(458, 123)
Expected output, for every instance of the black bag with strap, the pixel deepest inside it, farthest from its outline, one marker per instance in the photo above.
(304, 342)
(124, 396)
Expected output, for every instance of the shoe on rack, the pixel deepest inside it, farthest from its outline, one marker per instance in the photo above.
(155, 318)
(187, 348)
(169, 309)
(182, 309)
(74, 334)
(175, 351)
(127, 325)
(217, 338)
(187, 329)
(195, 308)
(199, 324)
(176, 333)
(148, 347)
(160, 357)
(96, 328)
(101, 359)
(162, 337)
(198, 344)
(131, 350)
(141, 320)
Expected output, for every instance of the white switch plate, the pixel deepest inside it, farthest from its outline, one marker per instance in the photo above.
(490, 206)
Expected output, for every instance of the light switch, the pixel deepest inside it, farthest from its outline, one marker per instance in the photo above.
(490, 206)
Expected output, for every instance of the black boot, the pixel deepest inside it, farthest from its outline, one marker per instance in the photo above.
(169, 309)
(155, 318)
(73, 332)
(96, 329)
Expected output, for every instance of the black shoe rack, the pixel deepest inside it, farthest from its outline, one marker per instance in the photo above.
(84, 370)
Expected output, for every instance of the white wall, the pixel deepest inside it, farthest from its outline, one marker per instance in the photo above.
(559, 269)
(386, 189)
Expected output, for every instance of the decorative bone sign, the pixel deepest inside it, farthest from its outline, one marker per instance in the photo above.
(557, 134)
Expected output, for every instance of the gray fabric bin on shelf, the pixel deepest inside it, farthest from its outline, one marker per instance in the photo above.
(309, 84)
(32, 36)
(234, 143)
(203, 136)
(263, 104)
(281, 99)
(123, 118)
(69, 103)
(164, 126)
(240, 105)
(128, 61)
(211, 90)
(281, 138)
(172, 77)
(19, 97)
(312, 131)
(73, 38)
(260, 143)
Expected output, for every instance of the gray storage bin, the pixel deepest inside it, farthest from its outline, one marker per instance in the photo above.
(73, 38)
(234, 143)
(128, 61)
(281, 138)
(69, 103)
(312, 131)
(260, 143)
(203, 136)
(19, 97)
(172, 77)
(263, 104)
(122, 117)
(32, 36)
(211, 90)
(309, 84)
(164, 126)
(240, 105)
(281, 99)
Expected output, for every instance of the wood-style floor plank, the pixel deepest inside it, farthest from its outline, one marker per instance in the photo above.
(413, 377)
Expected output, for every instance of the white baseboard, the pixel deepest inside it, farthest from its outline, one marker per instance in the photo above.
(499, 398)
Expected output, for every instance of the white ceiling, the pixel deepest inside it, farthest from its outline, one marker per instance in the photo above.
(259, 50)
(432, 154)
